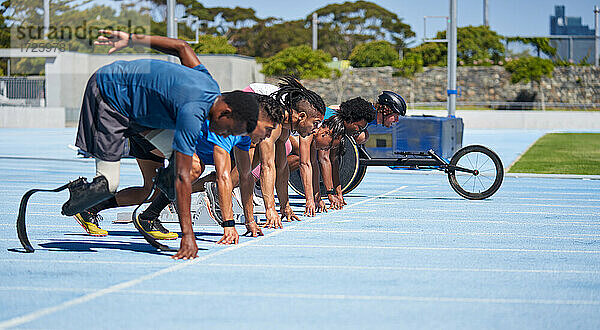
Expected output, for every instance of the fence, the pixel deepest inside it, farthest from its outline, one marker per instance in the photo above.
(23, 91)
(507, 105)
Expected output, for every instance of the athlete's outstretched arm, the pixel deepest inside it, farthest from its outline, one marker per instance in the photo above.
(246, 181)
(183, 188)
(306, 173)
(282, 177)
(176, 47)
(267, 178)
(225, 187)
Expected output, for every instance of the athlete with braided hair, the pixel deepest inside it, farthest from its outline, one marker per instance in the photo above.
(303, 112)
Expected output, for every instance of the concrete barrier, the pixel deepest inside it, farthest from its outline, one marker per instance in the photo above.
(528, 119)
(32, 117)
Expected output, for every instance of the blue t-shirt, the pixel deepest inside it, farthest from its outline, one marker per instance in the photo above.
(208, 139)
(328, 113)
(159, 94)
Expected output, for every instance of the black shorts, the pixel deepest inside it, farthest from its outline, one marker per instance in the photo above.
(141, 148)
(102, 130)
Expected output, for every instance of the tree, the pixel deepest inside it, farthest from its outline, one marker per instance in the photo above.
(373, 54)
(540, 44)
(477, 45)
(267, 38)
(208, 44)
(407, 67)
(343, 26)
(300, 61)
(530, 69)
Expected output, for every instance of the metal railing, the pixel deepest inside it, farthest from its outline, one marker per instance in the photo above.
(23, 91)
(495, 105)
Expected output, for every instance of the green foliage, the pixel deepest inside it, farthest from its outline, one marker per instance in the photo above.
(373, 54)
(541, 44)
(208, 44)
(262, 40)
(407, 67)
(529, 69)
(477, 45)
(300, 61)
(343, 26)
(432, 54)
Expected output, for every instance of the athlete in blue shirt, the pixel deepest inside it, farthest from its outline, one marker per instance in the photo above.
(125, 98)
(212, 149)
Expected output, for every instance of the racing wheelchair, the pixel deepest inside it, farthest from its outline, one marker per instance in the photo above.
(474, 172)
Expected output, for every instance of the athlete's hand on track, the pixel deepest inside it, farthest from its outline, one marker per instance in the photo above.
(273, 219)
(253, 230)
(340, 196)
(188, 248)
(321, 207)
(230, 236)
(334, 202)
(310, 209)
(117, 39)
(288, 214)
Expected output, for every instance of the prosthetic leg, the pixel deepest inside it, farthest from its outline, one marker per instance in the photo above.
(82, 195)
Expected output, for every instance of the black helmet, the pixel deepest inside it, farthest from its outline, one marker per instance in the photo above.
(392, 101)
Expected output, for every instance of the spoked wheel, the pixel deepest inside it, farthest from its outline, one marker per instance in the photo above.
(350, 171)
(475, 172)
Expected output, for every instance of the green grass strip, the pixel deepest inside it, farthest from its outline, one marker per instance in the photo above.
(562, 153)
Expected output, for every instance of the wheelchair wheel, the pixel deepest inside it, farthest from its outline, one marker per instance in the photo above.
(349, 170)
(360, 174)
(488, 172)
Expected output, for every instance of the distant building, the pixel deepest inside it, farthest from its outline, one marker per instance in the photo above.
(576, 41)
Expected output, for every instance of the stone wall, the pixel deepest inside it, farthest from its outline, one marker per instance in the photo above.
(477, 84)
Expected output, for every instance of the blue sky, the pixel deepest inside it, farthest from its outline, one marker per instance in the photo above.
(507, 17)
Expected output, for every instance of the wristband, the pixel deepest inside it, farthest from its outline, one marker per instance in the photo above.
(228, 223)
(130, 41)
(331, 192)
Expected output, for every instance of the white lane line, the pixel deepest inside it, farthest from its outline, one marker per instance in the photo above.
(398, 232)
(327, 296)
(19, 320)
(505, 212)
(543, 199)
(100, 262)
(365, 297)
(560, 223)
(418, 248)
(316, 267)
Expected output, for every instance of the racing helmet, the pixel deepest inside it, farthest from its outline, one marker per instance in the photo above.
(393, 101)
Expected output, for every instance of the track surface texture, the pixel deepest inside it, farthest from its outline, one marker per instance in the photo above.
(407, 252)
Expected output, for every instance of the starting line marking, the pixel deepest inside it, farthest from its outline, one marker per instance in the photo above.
(19, 320)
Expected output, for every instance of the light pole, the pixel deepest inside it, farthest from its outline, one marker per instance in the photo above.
(486, 20)
(315, 21)
(171, 23)
(452, 92)
(597, 35)
(46, 18)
